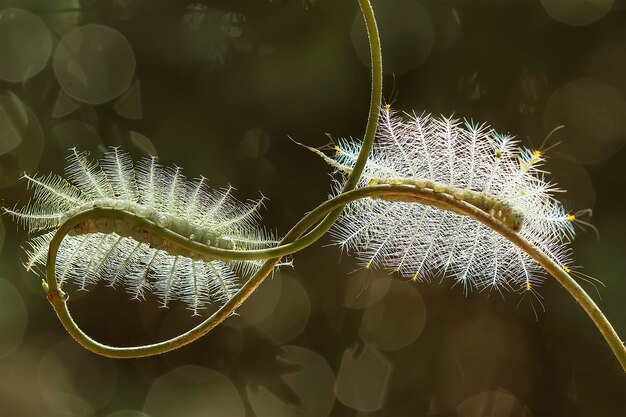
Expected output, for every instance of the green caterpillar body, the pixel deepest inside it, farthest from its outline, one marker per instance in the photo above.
(509, 216)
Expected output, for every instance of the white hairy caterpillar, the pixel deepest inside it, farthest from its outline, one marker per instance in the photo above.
(506, 214)
(472, 163)
(117, 249)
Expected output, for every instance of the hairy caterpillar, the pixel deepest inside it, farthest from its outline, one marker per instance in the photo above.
(115, 247)
(508, 215)
(472, 163)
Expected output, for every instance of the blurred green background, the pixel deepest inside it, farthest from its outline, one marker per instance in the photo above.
(216, 87)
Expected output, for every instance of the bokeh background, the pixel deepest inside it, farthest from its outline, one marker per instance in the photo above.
(216, 87)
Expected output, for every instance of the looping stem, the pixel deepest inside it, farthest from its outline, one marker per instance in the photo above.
(327, 212)
(60, 305)
(390, 192)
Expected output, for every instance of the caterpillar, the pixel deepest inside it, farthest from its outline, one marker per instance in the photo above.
(115, 247)
(470, 162)
(506, 214)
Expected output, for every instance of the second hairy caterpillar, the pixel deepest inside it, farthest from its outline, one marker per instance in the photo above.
(118, 247)
(508, 215)
(469, 162)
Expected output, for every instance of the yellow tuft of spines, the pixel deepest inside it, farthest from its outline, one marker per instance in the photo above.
(536, 157)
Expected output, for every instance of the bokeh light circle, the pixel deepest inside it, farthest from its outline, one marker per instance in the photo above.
(354, 292)
(25, 45)
(594, 118)
(13, 315)
(363, 288)
(407, 35)
(261, 305)
(193, 391)
(291, 313)
(313, 383)
(363, 379)
(94, 64)
(577, 12)
(397, 320)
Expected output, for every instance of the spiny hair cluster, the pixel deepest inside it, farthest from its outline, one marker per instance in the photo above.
(470, 162)
(158, 194)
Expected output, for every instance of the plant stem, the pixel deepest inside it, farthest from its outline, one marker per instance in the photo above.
(58, 298)
(293, 241)
(390, 192)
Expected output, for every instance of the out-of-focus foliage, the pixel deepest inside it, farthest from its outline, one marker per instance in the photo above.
(216, 87)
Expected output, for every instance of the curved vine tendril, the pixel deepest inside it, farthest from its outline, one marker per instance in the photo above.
(58, 298)
(304, 234)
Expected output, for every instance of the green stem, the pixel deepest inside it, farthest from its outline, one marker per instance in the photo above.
(58, 299)
(329, 211)
(389, 192)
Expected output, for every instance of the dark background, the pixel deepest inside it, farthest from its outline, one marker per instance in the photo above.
(216, 88)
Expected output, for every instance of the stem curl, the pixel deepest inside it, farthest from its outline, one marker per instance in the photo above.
(58, 298)
(324, 216)
(389, 192)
